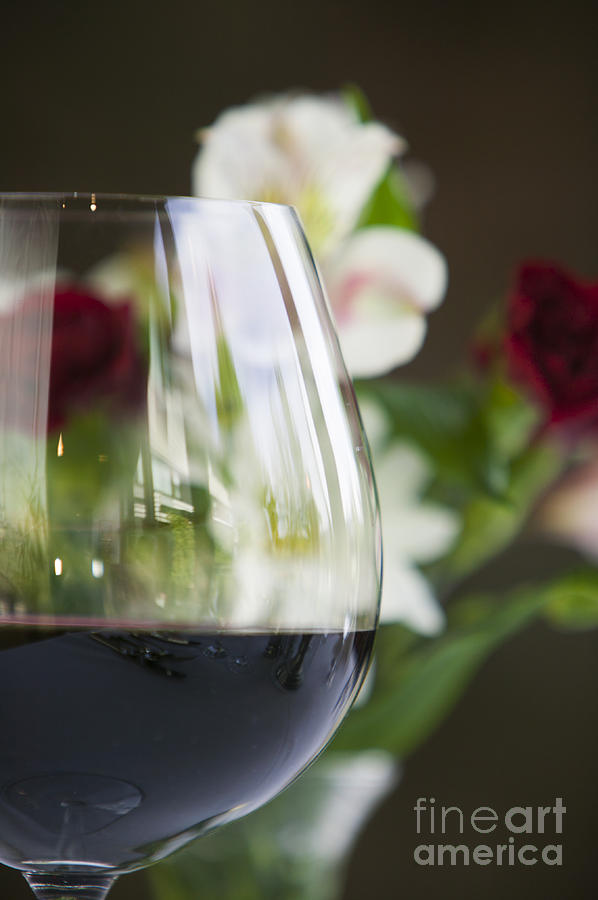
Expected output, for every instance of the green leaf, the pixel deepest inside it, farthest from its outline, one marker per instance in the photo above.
(229, 402)
(490, 523)
(432, 677)
(443, 421)
(357, 101)
(478, 439)
(390, 204)
(270, 854)
(573, 602)
(511, 419)
(95, 454)
(167, 884)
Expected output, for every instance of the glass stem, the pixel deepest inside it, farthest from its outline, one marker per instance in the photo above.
(74, 886)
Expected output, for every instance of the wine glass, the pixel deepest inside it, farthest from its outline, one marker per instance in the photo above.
(189, 544)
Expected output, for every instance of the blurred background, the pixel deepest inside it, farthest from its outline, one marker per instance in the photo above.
(500, 102)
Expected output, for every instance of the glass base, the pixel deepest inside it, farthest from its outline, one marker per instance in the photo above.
(71, 886)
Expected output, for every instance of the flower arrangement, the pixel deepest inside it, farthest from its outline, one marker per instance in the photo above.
(505, 447)
(463, 467)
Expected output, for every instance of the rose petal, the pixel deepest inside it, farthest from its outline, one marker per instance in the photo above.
(551, 343)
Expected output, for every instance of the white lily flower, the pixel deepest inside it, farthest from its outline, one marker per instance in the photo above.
(381, 282)
(413, 530)
(309, 152)
(315, 154)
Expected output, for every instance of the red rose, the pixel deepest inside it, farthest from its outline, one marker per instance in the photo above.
(552, 342)
(95, 359)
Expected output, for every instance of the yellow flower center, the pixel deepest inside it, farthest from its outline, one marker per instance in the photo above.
(316, 214)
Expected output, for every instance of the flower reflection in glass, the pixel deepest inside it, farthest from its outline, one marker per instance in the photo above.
(96, 357)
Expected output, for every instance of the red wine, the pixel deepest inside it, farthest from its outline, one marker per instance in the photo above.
(116, 747)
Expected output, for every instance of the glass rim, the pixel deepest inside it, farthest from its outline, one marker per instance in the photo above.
(140, 200)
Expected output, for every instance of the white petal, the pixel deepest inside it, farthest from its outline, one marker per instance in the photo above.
(308, 126)
(347, 789)
(407, 598)
(116, 276)
(341, 158)
(238, 158)
(375, 422)
(570, 511)
(350, 171)
(402, 472)
(422, 533)
(372, 348)
(416, 530)
(306, 151)
(398, 262)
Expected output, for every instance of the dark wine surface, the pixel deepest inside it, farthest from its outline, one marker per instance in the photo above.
(116, 746)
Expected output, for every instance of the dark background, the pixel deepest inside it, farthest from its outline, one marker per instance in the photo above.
(500, 101)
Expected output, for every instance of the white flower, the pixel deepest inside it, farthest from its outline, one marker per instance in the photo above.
(315, 154)
(413, 531)
(569, 511)
(381, 282)
(309, 152)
